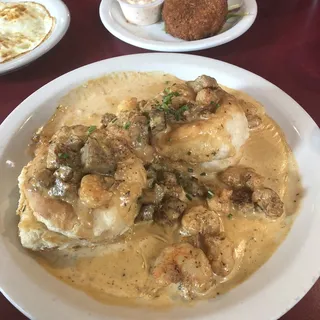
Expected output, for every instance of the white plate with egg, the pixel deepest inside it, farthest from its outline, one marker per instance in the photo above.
(270, 292)
(36, 28)
(154, 37)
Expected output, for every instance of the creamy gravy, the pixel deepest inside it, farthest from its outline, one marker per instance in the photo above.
(119, 273)
(86, 104)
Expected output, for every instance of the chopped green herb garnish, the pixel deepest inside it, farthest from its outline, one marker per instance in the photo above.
(217, 105)
(170, 139)
(230, 216)
(178, 113)
(210, 194)
(167, 82)
(165, 106)
(190, 170)
(203, 174)
(188, 196)
(139, 139)
(63, 155)
(168, 98)
(183, 108)
(127, 125)
(91, 129)
(114, 120)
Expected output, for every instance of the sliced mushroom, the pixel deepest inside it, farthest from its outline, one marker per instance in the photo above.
(269, 202)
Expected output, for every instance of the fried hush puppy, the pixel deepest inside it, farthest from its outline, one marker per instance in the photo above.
(194, 19)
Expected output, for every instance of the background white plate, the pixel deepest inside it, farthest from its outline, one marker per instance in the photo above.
(266, 295)
(60, 12)
(154, 37)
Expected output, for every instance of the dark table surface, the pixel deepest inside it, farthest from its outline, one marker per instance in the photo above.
(282, 46)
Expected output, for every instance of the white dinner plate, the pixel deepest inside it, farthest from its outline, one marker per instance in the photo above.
(60, 12)
(154, 37)
(266, 295)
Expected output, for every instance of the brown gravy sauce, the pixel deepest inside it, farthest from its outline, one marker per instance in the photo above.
(119, 273)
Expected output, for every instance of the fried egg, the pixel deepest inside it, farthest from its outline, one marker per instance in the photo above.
(23, 27)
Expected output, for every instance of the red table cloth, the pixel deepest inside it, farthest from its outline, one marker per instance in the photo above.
(282, 46)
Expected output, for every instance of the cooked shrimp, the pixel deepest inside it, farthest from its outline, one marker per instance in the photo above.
(176, 95)
(119, 214)
(209, 96)
(132, 127)
(241, 177)
(269, 201)
(203, 82)
(249, 191)
(220, 252)
(215, 134)
(200, 220)
(106, 206)
(185, 265)
(221, 202)
(94, 191)
(253, 114)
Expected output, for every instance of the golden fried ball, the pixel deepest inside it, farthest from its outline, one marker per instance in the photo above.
(194, 19)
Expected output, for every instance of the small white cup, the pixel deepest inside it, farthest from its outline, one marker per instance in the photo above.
(142, 14)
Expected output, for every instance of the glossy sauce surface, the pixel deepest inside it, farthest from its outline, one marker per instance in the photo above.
(120, 273)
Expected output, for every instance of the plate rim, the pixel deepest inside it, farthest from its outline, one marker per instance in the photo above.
(22, 111)
(61, 26)
(184, 46)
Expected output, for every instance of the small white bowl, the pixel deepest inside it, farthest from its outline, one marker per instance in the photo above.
(142, 14)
